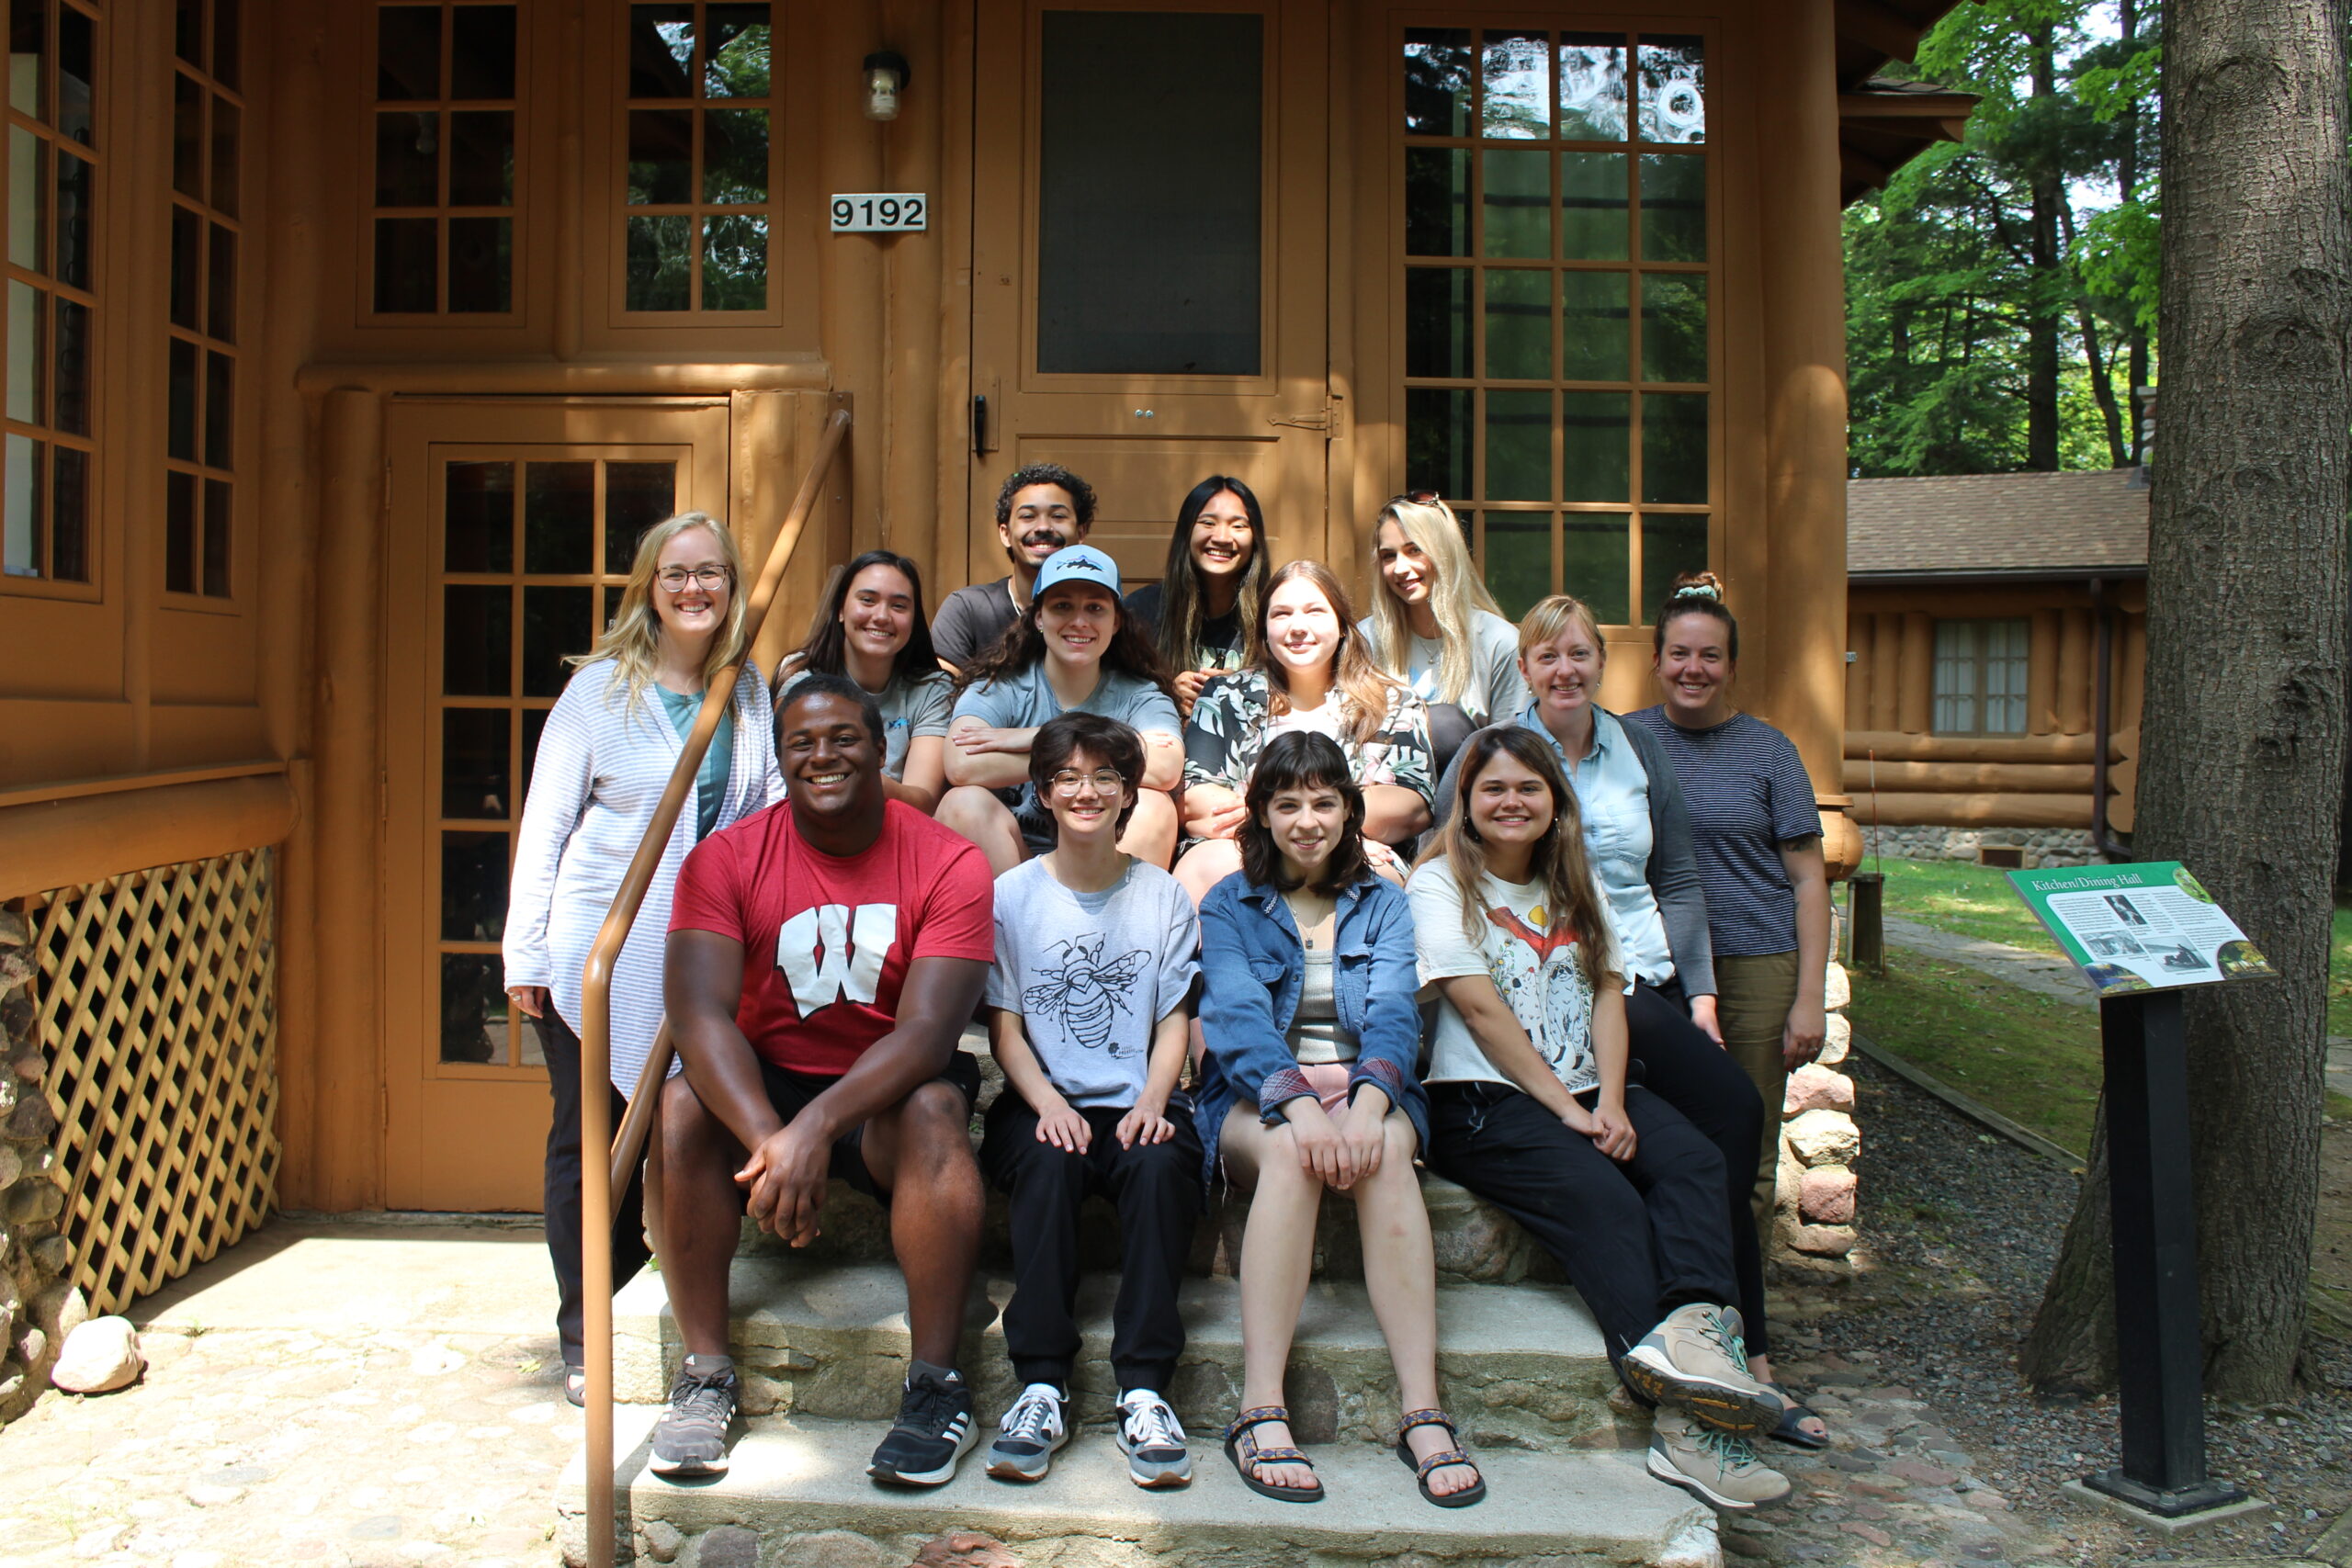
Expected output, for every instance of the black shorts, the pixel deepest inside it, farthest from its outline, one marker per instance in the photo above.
(790, 1093)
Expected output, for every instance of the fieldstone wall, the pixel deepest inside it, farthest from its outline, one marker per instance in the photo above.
(2043, 846)
(37, 1309)
(1816, 1209)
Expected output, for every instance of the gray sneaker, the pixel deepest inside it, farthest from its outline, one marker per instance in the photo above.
(1695, 1361)
(1715, 1466)
(1038, 1424)
(1153, 1441)
(691, 1438)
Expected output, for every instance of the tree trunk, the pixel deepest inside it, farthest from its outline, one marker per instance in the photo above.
(2044, 307)
(2243, 764)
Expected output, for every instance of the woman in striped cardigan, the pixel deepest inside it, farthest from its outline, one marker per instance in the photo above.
(610, 744)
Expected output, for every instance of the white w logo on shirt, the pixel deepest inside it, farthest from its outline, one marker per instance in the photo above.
(828, 951)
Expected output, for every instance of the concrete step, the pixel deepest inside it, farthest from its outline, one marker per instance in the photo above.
(797, 1493)
(1521, 1366)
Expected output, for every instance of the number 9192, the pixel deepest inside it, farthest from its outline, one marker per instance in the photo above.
(873, 212)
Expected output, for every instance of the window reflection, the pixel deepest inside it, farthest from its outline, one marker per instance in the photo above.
(200, 432)
(706, 171)
(447, 173)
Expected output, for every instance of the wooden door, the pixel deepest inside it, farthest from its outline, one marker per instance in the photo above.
(1149, 267)
(512, 528)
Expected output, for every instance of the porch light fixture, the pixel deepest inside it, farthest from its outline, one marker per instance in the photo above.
(885, 77)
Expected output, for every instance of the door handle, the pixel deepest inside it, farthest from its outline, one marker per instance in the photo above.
(981, 424)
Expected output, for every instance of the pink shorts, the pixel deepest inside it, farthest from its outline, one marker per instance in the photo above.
(1328, 1080)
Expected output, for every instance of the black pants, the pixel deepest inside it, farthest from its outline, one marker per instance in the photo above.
(1683, 1067)
(1449, 728)
(1157, 1189)
(562, 1199)
(1638, 1239)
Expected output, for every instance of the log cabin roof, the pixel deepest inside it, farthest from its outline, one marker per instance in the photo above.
(2075, 523)
(1884, 123)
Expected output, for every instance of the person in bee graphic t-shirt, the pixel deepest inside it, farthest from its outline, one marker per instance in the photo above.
(824, 956)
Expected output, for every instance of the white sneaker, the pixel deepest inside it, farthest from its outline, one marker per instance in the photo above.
(1717, 1467)
(1153, 1441)
(1038, 1424)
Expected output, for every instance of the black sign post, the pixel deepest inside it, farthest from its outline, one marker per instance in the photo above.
(2158, 1348)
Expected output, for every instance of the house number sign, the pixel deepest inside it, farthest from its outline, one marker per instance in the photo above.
(875, 213)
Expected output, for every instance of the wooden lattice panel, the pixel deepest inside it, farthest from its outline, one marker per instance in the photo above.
(157, 1010)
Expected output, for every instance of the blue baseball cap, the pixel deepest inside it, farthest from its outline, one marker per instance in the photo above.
(1083, 562)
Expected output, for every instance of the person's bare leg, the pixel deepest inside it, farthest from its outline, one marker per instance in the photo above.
(1760, 1368)
(1400, 1275)
(1206, 864)
(1277, 1255)
(980, 816)
(701, 1216)
(1150, 833)
(920, 1152)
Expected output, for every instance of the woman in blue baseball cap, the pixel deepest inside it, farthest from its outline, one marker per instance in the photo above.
(1074, 649)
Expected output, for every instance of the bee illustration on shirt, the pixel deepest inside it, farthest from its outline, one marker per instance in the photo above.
(1085, 995)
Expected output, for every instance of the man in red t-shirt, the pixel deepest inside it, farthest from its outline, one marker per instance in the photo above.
(824, 958)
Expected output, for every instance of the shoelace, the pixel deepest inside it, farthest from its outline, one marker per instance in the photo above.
(926, 1406)
(1713, 1327)
(700, 1396)
(1031, 1417)
(1731, 1452)
(1151, 1425)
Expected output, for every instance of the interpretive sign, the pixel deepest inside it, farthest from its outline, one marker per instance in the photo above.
(2144, 927)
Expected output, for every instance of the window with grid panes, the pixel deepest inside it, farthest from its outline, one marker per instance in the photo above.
(48, 454)
(1555, 321)
(1981, 669)
(698, 174)
(442, 218)
(207, 148)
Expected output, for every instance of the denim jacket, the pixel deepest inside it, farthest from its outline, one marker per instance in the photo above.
(1252, 969)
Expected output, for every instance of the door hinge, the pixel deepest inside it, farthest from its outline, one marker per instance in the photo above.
(1325, 419)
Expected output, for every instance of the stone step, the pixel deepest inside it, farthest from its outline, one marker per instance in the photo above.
(797, 1493)
(1521, 1366)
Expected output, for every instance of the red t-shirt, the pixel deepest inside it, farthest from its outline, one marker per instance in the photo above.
(827, 939)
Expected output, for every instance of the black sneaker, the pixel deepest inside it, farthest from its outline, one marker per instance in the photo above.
(935, 1429)
(691, 1436)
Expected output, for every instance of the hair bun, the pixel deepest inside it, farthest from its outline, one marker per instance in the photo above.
(1698, 585)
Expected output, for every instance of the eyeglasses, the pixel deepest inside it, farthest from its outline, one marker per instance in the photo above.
(1069, 781)
(675, 577)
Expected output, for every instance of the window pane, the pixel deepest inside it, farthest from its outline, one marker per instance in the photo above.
(482, 265)
(181, 428)
(20, 531)
(1674, 448)
(1595, 342)
(407, 159)
(1518, 446)
(556, 622)
(28, 157)
(69, 521)
(220, 406)
(657, 262)
(735, 263)
(1518, 568)
(73, 213)
(218, 528)
(477, 517)
(1437, 320)
(1437, 202)
(76, 73)
(220, 313)
(226, 131)
(408, 52)
(188, 30)
(187, 267)
(735, 157)
(1437, 80)
(1518, 100)
(1594, 219)
(27, 353)
(477, 633)
(481, 51)
(1518, 324)
(1149, 181)
(1518, 203)
(1674, 90)
(70, 391)
(187, 137)
(1674, 326)
(1674, 208)
(1595, 558)
(1671, 545)
(1593, 87)
(473, 886)
(474, 763)
(636, 496)
(405, 261)
(1596, 445)
(736, 57)
(660, 156)
(28, 50)
(534, 721)
(661, 51)
(473, 1008)
(1955, 676)
(180, 532)
(559, 518)
(228, 43)
(482, 158)
(1437, 440)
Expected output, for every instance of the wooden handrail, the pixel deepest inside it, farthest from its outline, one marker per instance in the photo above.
(598, 1178)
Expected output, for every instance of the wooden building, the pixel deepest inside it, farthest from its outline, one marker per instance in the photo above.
(348, 345)
(1982, 611)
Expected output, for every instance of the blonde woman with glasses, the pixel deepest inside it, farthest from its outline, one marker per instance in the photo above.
(610, 744)
(1434, 626)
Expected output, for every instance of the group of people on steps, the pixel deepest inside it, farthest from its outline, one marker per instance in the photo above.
(1251, 894)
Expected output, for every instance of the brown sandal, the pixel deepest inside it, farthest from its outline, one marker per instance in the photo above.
(1458, 1454)
(1247, 1456)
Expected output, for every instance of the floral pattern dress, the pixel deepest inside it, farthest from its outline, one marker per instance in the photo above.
(1233, 719)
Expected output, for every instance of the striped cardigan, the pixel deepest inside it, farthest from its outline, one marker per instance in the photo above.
(599, 774)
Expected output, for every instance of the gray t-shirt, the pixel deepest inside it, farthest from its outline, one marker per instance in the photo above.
(1024, 700)
(911, 710)
(972, 620)
(1092, 974)
(1495, 691)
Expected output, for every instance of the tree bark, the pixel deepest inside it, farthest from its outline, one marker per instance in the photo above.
(2242, 765)
(2043, 310)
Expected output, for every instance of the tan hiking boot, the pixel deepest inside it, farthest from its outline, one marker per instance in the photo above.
(1715, 1466)
(1696, 1361)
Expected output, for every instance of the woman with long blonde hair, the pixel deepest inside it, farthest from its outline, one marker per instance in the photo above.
(610, 744)
(1434, 626)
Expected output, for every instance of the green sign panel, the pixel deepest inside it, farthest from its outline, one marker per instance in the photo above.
(2145, 926)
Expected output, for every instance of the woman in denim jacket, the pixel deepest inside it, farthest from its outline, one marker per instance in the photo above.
(1309, 1083)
